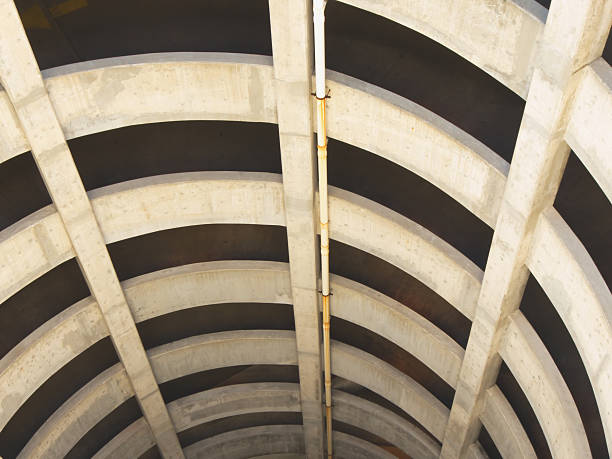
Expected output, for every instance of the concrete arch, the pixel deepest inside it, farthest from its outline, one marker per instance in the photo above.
(589, 129)
(172, 289)
(105, 94)
(275, 439)
(155, 203)
(548, 395)
(572, 282)
(227, 401)
(81, 412)
(57, 436)
(499, 37)
(216, 350)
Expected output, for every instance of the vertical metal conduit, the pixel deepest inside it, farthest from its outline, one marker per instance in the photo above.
(319, 43)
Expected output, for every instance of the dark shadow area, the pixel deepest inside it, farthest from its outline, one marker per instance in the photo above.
(22, 190)
(587, 211)
(40, 301)
(53, 393)
(407, 63)
(184, 146)
(227, 376)
(607, 52)
(95, 29)
(545, 320)
(193, 244)
(520, 404)
(385, 182)
(104, 431)
(376, 345)
(243, 421)
(488, 444)
(215, 318)
(379, 275)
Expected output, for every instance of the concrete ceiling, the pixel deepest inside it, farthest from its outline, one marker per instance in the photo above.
(442, 215)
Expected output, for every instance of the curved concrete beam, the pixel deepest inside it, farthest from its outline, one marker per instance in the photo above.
(169, 201)
(227, 401)
(418, 140)
(110, 93)
(45, 351)
(548, 395)
(589, 130)
(361, 223)
(498, 36)
(215, 350)
(275, 439)
(568, 275)
(509, 436)
(58, 435)
(30, 248)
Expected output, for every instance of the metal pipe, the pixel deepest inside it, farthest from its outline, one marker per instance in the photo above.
(318, 9)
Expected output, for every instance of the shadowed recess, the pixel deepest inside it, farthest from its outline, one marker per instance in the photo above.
(53, 393)
(518, 400)
(378, 346)
(215, 318)
(379, 275)
(104, 431)
(240, 374)
(488, 444)
(22, 190)
(587, 211)
(193, 244)
(40, 301)
(242, 421)
(183, 146)
(94, 29)
(407, 63)
(399, 189)
(545, 320)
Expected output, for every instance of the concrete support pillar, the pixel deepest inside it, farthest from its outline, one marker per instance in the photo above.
(21, 78)
(574, 36)
(292, 47)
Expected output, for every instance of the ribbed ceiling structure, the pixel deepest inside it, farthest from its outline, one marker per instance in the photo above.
(159, 257)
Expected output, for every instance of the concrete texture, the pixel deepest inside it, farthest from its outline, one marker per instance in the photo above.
(21, 79)
(539, 378)
(258, 397)
(292, 48)
(575, 32)
(498, 36)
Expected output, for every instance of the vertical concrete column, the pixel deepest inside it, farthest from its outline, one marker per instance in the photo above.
(292, 47)
(21, 78)
(574, 36)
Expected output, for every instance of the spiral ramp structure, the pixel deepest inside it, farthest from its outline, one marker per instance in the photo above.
(160, 268)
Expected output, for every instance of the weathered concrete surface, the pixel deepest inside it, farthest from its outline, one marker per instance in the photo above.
(498, 36)
(227, 401)
(509, 437)
(21, 78)
(545, 388)
(574, 36)
(30, 248)
(589, 129)
(80, 413)
(566, 272)
(375, 229)
(45, 351)
(133, 85)
(418, 140)
(274, 439)
(292, 49)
